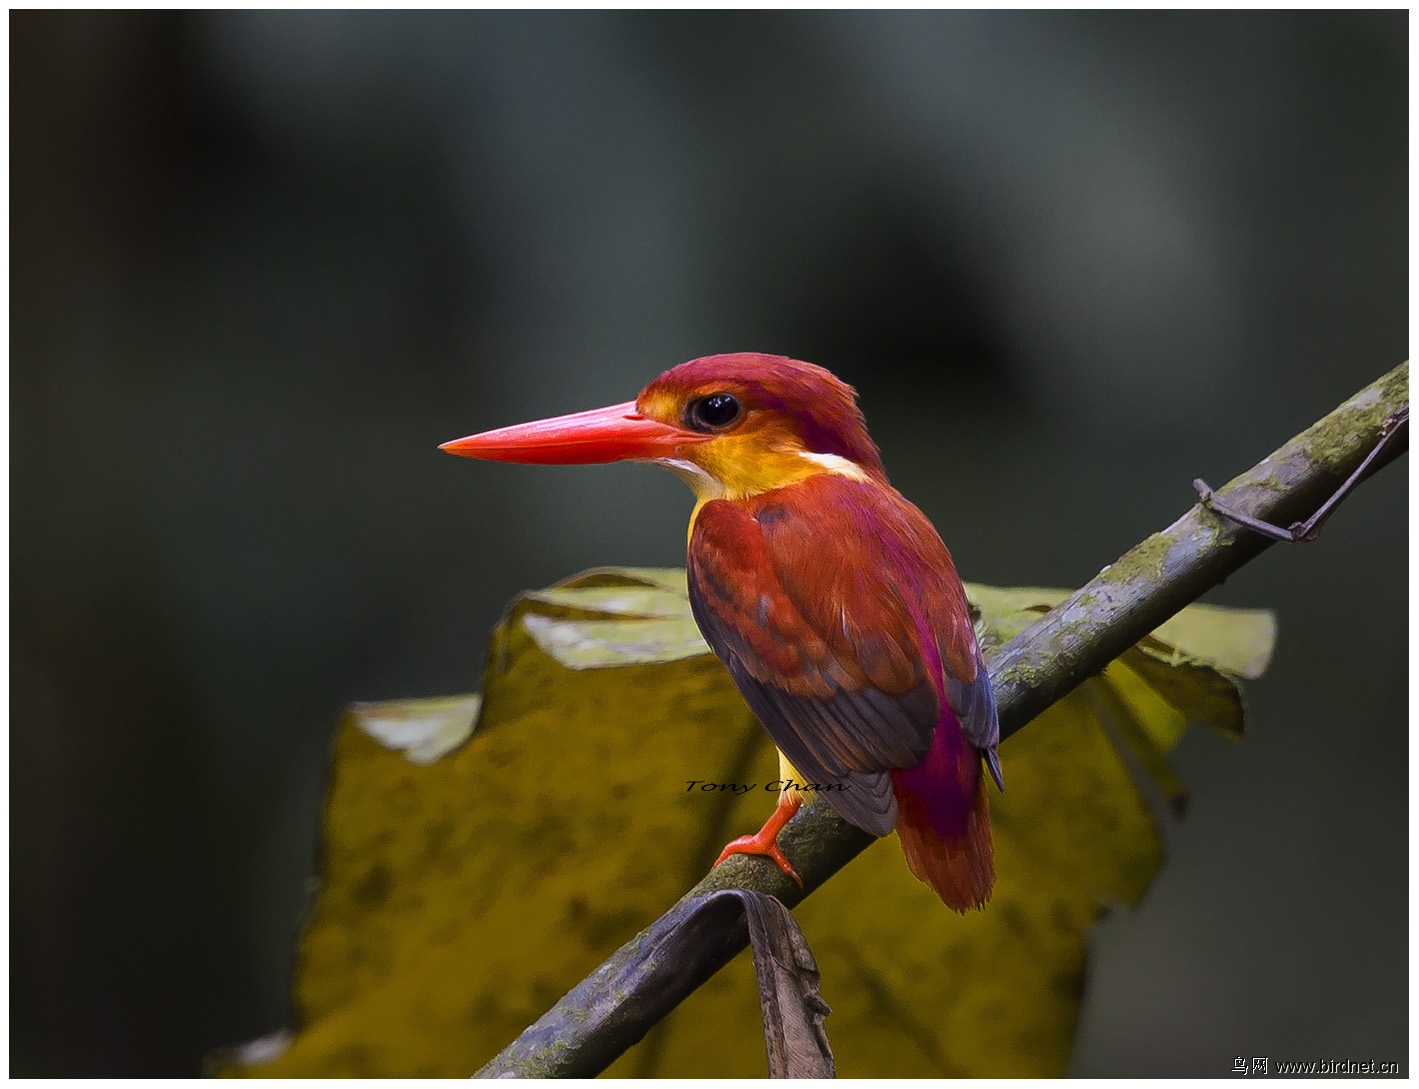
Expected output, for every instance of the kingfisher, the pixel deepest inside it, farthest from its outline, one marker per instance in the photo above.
(830, 598)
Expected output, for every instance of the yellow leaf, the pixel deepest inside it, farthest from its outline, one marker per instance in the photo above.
(1236, 641)
(467, 886)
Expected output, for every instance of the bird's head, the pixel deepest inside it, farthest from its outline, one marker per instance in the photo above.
(731, 425)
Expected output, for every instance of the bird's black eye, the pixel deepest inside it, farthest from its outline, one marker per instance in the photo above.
(711, 413)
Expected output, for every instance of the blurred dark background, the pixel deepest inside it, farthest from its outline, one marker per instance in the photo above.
(262, 264)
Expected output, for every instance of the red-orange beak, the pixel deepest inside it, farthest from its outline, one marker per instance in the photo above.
(615, 433)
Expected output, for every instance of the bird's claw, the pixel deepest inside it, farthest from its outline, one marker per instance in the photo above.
(753, 845)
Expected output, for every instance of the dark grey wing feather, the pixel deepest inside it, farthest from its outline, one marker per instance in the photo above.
(867, 800)
(853, 738)
(974, 706)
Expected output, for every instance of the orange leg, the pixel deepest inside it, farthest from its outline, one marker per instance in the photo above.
(765, 840)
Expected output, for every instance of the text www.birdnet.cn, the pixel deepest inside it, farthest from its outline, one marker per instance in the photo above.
(776, 786)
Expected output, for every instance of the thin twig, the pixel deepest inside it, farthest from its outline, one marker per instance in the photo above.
(1071, 643)
(1300, 532)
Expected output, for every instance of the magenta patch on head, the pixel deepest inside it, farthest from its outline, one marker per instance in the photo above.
(823, 407)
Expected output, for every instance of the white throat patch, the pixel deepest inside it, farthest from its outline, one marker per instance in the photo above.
(835, 463)
(701, 483)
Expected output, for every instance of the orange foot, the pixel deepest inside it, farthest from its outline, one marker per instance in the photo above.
(765, 840)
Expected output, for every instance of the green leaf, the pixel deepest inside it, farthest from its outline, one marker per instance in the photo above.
(466, 888)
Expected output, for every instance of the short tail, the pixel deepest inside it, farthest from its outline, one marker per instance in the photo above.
(943, 820)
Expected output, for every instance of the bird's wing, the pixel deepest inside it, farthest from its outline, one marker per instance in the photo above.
(974, 705)
(818, 598)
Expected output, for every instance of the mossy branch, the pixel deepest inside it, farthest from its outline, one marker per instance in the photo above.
(614, 1007)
